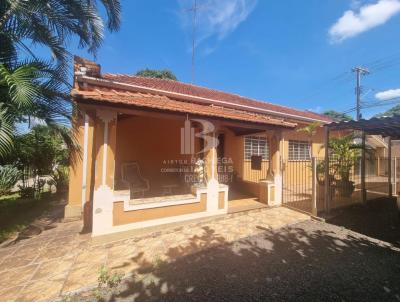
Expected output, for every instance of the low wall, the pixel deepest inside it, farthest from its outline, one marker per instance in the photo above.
(124, 217)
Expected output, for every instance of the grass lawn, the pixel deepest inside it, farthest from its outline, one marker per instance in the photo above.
(16, 213)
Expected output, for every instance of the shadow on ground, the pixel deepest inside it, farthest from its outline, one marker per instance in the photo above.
(310, 261)
(377, 218)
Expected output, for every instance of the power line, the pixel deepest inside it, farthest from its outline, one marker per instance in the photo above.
(384, 63)
(384, 60)
(327, 83)
(374, 66)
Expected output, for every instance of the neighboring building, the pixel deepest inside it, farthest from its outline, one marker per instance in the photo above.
(396, 148)
(141, 139)
(378, 144)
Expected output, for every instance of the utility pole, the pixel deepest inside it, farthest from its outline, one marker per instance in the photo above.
(360, 71)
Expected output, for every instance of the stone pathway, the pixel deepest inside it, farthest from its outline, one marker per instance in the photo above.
(61, 260)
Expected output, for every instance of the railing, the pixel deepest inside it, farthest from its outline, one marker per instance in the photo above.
(297, 184)
(304, 182)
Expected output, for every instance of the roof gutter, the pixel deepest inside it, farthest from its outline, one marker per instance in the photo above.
(132, 87)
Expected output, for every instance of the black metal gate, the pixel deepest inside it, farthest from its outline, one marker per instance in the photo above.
(297, 189)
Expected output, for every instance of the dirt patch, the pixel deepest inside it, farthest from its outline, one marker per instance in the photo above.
(377, 218)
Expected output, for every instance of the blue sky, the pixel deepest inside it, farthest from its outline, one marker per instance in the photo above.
(294, 53)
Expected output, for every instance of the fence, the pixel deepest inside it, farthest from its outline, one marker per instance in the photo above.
(297, 184)
(304, 182)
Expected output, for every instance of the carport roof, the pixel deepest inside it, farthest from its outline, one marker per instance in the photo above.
(385, 126)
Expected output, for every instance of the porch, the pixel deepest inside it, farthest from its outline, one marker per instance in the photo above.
(161, 168)
(240, 202)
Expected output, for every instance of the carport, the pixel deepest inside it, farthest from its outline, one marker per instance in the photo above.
(387, 127)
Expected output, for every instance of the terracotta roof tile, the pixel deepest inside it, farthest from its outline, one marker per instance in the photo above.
(198, 91)
(166, 103)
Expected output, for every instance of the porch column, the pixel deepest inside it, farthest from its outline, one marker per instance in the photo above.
(327, 180)
(74, 207)
(212, 171)
(105, 138)
(275, 143)
(363, 188)
(390, 167)
(378, 169)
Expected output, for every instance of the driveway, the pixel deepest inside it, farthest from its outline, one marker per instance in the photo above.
(61, 260)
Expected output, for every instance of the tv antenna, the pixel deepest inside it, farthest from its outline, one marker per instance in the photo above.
(194, 10)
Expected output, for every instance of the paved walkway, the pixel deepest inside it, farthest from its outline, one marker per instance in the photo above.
(60, 260)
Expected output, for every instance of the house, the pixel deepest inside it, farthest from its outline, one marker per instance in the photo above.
(159, 151)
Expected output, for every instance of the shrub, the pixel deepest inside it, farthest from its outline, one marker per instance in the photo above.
(109, 280)
(9, 176)
(26, 192)
(59, 179)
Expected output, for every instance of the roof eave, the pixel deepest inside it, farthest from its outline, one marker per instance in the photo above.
(132, 87)
(81, 97)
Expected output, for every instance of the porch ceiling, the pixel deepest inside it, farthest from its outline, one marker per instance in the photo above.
(167, 104)
(238, 131)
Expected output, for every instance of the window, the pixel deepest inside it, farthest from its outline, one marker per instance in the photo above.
(256, 145)
(299, 150)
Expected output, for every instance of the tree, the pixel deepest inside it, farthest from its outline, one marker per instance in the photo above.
(344, 153)
(337, 116)
(159, 74)
(38, 153)
(32, 88)
(391, 112)
(52, 23)
(38, 88)
(9, 176)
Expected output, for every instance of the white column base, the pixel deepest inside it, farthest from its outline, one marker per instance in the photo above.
(278, 181)
(102, 210)
(212, 195)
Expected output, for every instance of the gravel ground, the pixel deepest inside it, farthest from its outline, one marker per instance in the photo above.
(309, 261)
(379, 218)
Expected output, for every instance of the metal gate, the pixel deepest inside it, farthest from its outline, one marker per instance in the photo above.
(304, 183)
(297, 184)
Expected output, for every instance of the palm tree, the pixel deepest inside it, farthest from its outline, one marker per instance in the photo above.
(32, 89)
(310, 130)
(52, 23)
(38, 88)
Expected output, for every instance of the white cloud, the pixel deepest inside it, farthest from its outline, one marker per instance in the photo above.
(368, 16)
(216, 18)
(388, 94)
(316, 109)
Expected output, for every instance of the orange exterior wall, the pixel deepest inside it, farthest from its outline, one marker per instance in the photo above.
(221, 200)
(234, 149)
(296, 171)
(75, 169)
(317, 141)
(150, 142)
(121, 217)
(74, 206)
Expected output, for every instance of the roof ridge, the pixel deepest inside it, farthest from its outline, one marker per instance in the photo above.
(216, 90)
